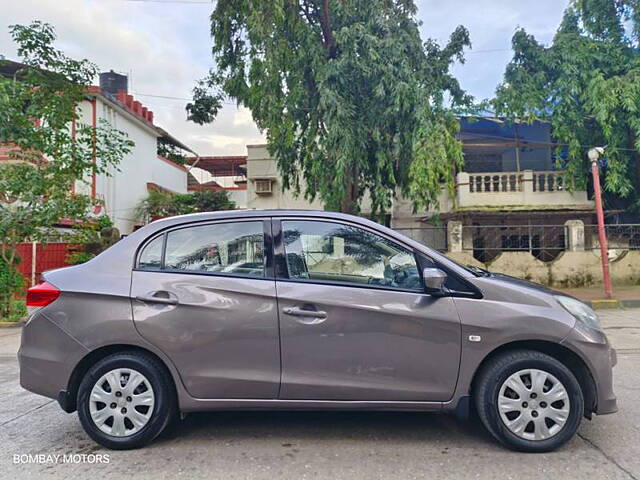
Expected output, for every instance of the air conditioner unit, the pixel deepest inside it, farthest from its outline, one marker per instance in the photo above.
(263, 187)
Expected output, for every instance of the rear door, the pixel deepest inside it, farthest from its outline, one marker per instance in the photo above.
(354, 319)
(205, 295)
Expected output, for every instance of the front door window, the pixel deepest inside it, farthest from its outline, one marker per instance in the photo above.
(341, 253)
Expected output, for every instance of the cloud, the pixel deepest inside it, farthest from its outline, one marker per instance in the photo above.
(491, 24)
(242, 117)
(165, 48)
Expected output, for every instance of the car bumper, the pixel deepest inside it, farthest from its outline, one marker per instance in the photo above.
(600, 357)
(47, 357)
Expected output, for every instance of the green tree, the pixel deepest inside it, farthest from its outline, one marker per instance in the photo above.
(160, 204)
(37, 107)
(351, 99)
(587, 85)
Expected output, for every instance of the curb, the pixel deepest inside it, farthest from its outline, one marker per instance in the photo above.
(17, 324)
(613, 303)
(630, 303)
(605, 304)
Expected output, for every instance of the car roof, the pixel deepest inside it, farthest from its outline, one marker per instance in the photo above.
(281, 212)
(115, 264)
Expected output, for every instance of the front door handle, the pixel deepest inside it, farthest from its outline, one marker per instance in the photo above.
(308, 317)
(161, 296)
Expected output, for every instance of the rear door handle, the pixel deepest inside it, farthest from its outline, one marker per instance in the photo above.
(298, 312)
(161, 296)
(308, 317)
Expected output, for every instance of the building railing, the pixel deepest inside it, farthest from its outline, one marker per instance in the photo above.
(489, 182)
(495, 182)
(548, 181)
(525, 188)
(625, 236)
(544, 242)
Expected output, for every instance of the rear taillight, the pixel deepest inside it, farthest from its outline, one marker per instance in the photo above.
(42, 295)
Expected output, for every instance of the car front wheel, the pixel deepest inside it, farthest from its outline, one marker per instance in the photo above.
(125, 400)
(529, 401)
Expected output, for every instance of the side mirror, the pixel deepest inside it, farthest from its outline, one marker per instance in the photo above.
(434, 279)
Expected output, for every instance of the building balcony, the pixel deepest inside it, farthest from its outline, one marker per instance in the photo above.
(525, 190)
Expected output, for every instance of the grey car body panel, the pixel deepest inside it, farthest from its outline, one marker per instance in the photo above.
(222, 336)
(373, 345)
(84, 323)
(95, 310)
(594, 349)
(47, 356)
(505, 314)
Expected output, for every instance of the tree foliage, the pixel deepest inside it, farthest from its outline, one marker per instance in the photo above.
(92, 238)
(353, 103)
(587, 85)
(160, 204)
(37, 108)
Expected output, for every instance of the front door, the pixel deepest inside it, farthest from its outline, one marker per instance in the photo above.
(355, 322)
(205, 295)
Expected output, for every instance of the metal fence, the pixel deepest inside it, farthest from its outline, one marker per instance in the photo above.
(619, 236)
(38, 257)
(545, 242)
(434, 237)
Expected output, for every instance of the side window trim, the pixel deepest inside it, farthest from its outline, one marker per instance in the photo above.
(141, 249)
(164, 250)
(282, 271)
(268, 257)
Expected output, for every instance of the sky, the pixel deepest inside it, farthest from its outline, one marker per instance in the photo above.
(164, 47)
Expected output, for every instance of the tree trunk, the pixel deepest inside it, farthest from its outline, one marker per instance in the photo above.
(636, 160)
(327, 30)
(350, 200)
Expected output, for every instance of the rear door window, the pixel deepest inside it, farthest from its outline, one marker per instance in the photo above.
(231, 248)
(151, 256)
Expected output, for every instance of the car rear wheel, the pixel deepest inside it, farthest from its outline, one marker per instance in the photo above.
(529, 401)
(125, 400)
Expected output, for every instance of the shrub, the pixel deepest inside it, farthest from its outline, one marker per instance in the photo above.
(12, 283)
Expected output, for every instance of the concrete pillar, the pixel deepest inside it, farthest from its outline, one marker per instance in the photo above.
(462, 189)
(527, 187)
(454, 236)
(575, 235)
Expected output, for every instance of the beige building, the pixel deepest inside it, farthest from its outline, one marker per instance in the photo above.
(264, 185)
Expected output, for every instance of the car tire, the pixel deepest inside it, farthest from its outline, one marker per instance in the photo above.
(529, 401)
(126, 400)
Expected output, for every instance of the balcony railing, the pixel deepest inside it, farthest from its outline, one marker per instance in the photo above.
(518, 189)
(495, 182)
(513, 182)
(548, 181)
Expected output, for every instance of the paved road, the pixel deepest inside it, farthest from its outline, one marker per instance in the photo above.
(322, 444)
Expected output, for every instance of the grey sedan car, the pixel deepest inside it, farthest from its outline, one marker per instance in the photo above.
(307, 310)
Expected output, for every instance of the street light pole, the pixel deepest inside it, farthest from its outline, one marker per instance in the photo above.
(594, 155)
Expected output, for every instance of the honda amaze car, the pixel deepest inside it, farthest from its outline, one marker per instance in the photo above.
(307, 310)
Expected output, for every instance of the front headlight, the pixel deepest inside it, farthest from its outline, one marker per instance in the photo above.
(580, 310)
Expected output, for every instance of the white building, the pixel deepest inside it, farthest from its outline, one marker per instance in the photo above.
(142, 169)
